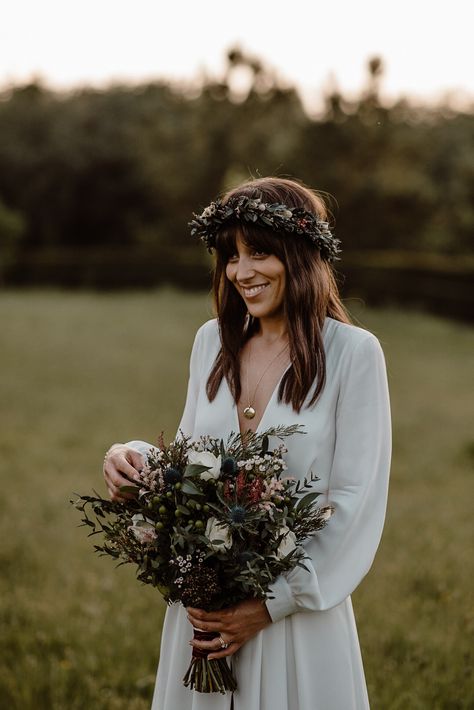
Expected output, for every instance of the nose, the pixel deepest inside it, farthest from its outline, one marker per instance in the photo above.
(245, 269)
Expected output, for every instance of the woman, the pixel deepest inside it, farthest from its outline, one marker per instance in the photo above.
(282, 351)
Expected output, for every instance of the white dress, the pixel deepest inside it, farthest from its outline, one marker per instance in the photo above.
(309, 657)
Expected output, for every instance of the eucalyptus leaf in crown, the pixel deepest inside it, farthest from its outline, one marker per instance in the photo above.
(212, 523)
(278, 217)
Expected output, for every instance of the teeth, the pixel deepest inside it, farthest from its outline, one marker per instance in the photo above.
(254, 290)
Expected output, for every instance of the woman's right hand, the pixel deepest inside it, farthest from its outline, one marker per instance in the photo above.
(121, 467)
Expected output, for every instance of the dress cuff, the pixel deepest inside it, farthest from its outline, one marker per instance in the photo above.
(283, 602)
(143, 447)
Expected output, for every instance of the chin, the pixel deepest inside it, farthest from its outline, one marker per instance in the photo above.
(262, 312)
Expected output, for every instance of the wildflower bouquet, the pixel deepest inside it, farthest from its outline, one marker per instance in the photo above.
(212, 523)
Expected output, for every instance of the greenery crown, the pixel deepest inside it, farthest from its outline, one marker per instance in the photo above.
(278, 217)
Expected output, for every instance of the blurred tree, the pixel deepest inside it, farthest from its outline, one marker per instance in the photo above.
(121, 170)
(12, 228)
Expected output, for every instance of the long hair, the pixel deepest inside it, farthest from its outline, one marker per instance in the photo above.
(311, 294)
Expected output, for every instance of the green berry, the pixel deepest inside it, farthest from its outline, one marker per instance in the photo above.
(205, 508)
(199, 524)
(159, 525)
(177, 485)
(169, 494)
(177, 514)
(162, 510)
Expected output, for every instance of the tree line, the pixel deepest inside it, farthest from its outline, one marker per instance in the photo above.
(94, 182)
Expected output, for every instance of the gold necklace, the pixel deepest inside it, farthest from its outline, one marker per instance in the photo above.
(249, 411)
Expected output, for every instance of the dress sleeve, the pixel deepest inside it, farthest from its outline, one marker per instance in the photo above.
(186, 425)
(342, 553)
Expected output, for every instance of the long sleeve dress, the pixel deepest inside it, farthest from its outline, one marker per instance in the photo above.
(309, 657)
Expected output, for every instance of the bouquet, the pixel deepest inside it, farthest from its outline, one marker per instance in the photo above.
(211, 524)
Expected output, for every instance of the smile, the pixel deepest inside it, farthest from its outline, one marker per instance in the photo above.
(253, 290)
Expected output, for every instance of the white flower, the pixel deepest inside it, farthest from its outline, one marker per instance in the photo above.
(218, 531)
(288, 542)
(143, 529)
(209, 211)
(138, 518)
(205, 458)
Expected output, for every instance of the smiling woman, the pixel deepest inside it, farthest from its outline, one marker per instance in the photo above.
(283, 352)
(259, 278)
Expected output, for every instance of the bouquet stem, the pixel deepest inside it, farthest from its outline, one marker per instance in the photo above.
(205, 676)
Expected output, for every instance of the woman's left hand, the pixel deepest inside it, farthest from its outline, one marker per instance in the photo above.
(236, 625)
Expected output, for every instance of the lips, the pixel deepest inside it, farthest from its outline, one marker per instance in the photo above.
(251, 291)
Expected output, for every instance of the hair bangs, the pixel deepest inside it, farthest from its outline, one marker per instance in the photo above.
(257, 238)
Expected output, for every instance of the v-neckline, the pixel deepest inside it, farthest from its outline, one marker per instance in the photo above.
(275, 390)
(235, 408)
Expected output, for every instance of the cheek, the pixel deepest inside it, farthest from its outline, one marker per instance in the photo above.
(280, 276)
(230, 272)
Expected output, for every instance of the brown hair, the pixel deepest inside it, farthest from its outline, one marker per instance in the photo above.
(311, 294)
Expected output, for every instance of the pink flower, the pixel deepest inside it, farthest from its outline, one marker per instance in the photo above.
(143, 529)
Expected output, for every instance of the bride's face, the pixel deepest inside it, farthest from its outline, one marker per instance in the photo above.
(260, 279)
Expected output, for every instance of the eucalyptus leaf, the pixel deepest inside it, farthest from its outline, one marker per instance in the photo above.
(129, 489)
(307, 499)
(183, 509)
(195, 469)
(190, 489)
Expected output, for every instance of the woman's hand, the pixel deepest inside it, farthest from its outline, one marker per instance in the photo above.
(236, 625)
(121, 467)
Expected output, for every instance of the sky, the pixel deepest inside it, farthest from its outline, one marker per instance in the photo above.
(426, 45)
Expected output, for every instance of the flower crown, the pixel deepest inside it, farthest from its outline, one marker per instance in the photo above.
(280, 218)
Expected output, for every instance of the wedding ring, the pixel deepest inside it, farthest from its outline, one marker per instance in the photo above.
(223, 643)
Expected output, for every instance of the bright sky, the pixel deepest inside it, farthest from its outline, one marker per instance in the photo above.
(426, 44)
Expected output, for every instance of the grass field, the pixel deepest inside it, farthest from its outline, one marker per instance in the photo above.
(80, 371)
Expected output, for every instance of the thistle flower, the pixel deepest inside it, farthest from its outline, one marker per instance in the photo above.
(172, 475)
(229, 465)
(237, 514)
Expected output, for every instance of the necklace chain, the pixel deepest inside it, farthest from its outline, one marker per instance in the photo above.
(249, 411)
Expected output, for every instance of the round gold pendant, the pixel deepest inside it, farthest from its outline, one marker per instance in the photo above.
(249, 412)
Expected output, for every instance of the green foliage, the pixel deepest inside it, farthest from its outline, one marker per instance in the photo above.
(11, 230)
(78, 372)
(106, 181)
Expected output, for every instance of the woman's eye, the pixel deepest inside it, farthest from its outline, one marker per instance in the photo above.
(259, 254)
(232, 259)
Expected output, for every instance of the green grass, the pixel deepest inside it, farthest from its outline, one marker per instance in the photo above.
(80, 371)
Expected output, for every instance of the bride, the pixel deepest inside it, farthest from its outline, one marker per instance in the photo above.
(282, 351)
